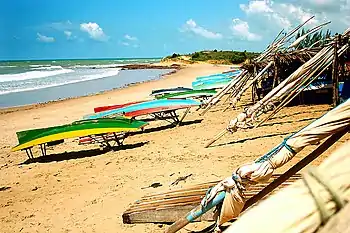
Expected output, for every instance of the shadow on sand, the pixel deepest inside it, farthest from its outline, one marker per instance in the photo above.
(164, 127)
(250, 139)
(297, 113)
(80, 154)
(287, 122)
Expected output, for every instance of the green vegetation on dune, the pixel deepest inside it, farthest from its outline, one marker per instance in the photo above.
(214, 56)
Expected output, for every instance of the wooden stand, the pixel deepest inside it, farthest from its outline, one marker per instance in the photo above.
(174, 118)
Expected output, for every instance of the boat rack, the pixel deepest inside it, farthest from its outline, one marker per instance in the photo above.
(171, 116)
(103, 139)
(29, 151)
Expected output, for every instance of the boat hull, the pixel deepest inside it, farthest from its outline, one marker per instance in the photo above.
(211, 85)
(111, 107)
(30, 138)
(154, 110)
(169, 90)
(154, 104)
(188, 94)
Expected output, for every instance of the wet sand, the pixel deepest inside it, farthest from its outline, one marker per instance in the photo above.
(83, 189)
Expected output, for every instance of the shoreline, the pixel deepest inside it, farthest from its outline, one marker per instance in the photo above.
(176, 67)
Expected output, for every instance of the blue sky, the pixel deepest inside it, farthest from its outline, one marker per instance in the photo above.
(44, 29)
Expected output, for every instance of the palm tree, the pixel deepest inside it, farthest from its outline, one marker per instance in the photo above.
(312, 39)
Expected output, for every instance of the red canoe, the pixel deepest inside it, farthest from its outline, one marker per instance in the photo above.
(154, 110)
(106, 108)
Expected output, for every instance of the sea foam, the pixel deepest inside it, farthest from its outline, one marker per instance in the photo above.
(108, 73)
(32, 75)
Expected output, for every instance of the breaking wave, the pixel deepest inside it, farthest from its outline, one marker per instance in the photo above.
(47, 67)
(109, 73)
(32, 75)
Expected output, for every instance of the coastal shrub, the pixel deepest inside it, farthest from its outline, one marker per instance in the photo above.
(228, 57)
(195, 56)
(175, 55)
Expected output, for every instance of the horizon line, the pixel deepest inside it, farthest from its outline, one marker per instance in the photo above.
(75, 59)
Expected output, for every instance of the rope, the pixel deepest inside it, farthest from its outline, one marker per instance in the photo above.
(312, 173)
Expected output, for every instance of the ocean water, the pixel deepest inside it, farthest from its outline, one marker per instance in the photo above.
(28, 82)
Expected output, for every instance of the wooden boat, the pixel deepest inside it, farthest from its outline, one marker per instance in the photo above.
(110, 107)
(169, 90)
(54, 135)
(172, 205)
(147, 107)
(188, 94)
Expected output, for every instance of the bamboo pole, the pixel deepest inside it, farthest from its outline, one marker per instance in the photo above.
(256, 78)
(217, 137)
(253, 85)
(216, 98)
(289, 98)
(300, 87)
(199, 211)
(335, 75)
(275, 73)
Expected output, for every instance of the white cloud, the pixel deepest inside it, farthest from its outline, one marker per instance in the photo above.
(46, 39)
(61, 26)
(94, 30)
(191, 26)
(271, 16)
(68, 34)
(125, 43)
(256, 7)
(128, 37)
(241, 29)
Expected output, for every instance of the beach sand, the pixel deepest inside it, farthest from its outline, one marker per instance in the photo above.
(87, 190)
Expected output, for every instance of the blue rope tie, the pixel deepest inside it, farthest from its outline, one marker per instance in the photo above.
(275, 150)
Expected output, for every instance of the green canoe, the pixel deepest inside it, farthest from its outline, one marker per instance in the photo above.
(188, 94)
(30, 138)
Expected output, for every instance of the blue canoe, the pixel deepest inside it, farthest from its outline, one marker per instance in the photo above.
(147, 107)
(211, 84)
